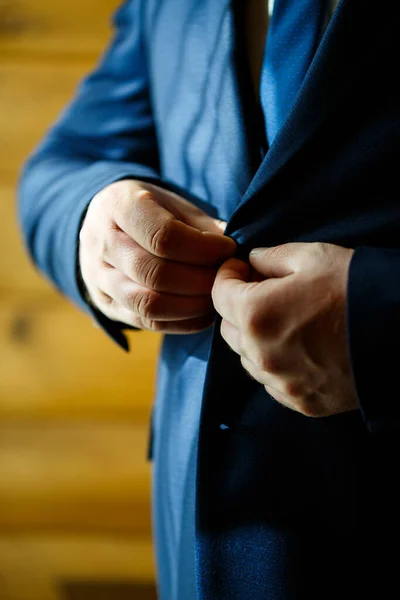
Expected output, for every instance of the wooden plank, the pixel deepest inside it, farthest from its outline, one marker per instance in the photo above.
(16, 269)
(83, 477)
(31, 98)
(44, 27)
(33, 567)
(54, 363)
(71, 369)
(92, 590)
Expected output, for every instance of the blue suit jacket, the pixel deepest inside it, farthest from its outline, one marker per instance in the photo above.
(287, 507)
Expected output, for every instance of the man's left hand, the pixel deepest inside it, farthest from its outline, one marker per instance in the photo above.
(285, 315)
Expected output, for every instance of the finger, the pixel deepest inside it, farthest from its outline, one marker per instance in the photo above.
(276, 388)
(278, 261)
(158, 231)
(253, 371)
(255, 276)
(186, 211)
(156, 273)
(119, 313)
(258, 374)
(220, 225)
(308, 407)
(230, 289)
(267, 369)
(149, 304)
(281, 398)
(185, 327)
(232, 336)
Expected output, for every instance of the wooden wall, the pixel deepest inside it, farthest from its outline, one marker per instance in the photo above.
(74, 409)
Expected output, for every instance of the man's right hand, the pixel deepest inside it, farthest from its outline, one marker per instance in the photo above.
(148, 257)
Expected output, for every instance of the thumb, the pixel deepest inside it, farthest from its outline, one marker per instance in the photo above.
(278, 261)
(203, 222)
(186, 211)
(220, 226)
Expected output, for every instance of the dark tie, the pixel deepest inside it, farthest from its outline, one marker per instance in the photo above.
(293, 35)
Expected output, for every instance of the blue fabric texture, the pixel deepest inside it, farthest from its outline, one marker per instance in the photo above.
(251, 501)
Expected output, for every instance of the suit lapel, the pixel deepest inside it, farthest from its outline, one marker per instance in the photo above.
(348, 46)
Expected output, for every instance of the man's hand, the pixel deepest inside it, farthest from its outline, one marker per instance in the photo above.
(148, 258)
(285, 316)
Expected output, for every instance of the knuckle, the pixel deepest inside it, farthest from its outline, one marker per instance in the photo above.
(268, 363)
(252, 321)
(120, 206)
(269, 326)
(146, 305)
(108, 203)
(120, 214)
(273, 327)
(150, 273)
(138, 206)
(275, 322)
(106, 299)
(154, 325)
(294, 389)
(105, 303)
(109, 206)
(105, 245)
(143, 195)
(113, 244)
(307, 408)
(160, 239)
(100, 298)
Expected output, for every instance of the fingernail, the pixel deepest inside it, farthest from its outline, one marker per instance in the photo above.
(257, 251)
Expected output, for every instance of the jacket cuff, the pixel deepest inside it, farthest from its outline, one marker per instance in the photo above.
(373, 329)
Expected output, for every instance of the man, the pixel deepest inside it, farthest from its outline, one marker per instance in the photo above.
(276, 446)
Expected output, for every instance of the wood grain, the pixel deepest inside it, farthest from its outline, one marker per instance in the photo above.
(84, 590)
(53, 362)
(74, 408)
(70, 368)
(82, 477)
(31, 98)
(42, 28)
(33, 566)
(17, 273)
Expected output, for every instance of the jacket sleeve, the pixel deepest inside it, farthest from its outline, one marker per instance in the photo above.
(106, 134)
(373, 325)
